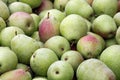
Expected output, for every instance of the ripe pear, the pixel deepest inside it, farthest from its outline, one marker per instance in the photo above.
(80, 7)
(19, 6)
(94, 69)
(108, 7)
(91, 45)
(105, 26)
(61, 45)
(17, 74)
(24, 46)
(48, 27)
(73, 27)
(4, 11)
(8, 59)
(110, 56)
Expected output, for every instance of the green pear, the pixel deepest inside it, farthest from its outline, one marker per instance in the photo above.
(19, 6)
(8, 59)
(105, 26)
(91, 45)
(17, 74)
(8, 33)
(60, 70)
(117, 18)
(24, 46)
(41, 60)
(61, 45)
(80, 7)
(39, 78)
(108, 7)
(4, 11)
(22, 20)
(2, 24)
(60, 4)
(94, 69)
(32, 3)
(73, 27)
(36, 19)
(72, 57)
(110, 56)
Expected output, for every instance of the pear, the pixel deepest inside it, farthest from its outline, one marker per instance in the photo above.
(19, 6)
(105, 26)
(24, 46)
(48, 27)
(8, 33)
(4, 11)
(73, 27)
(8, 59)
(61, 45)
(108, 7)
(17, 74)
(94, 69)
(41, 60)
(91, 45)
(110, 56)
(80, 7)
(73, 57)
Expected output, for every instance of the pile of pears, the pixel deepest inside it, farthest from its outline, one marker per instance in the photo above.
(59, 39)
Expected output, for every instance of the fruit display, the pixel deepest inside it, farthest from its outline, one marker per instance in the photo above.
(59, 39)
